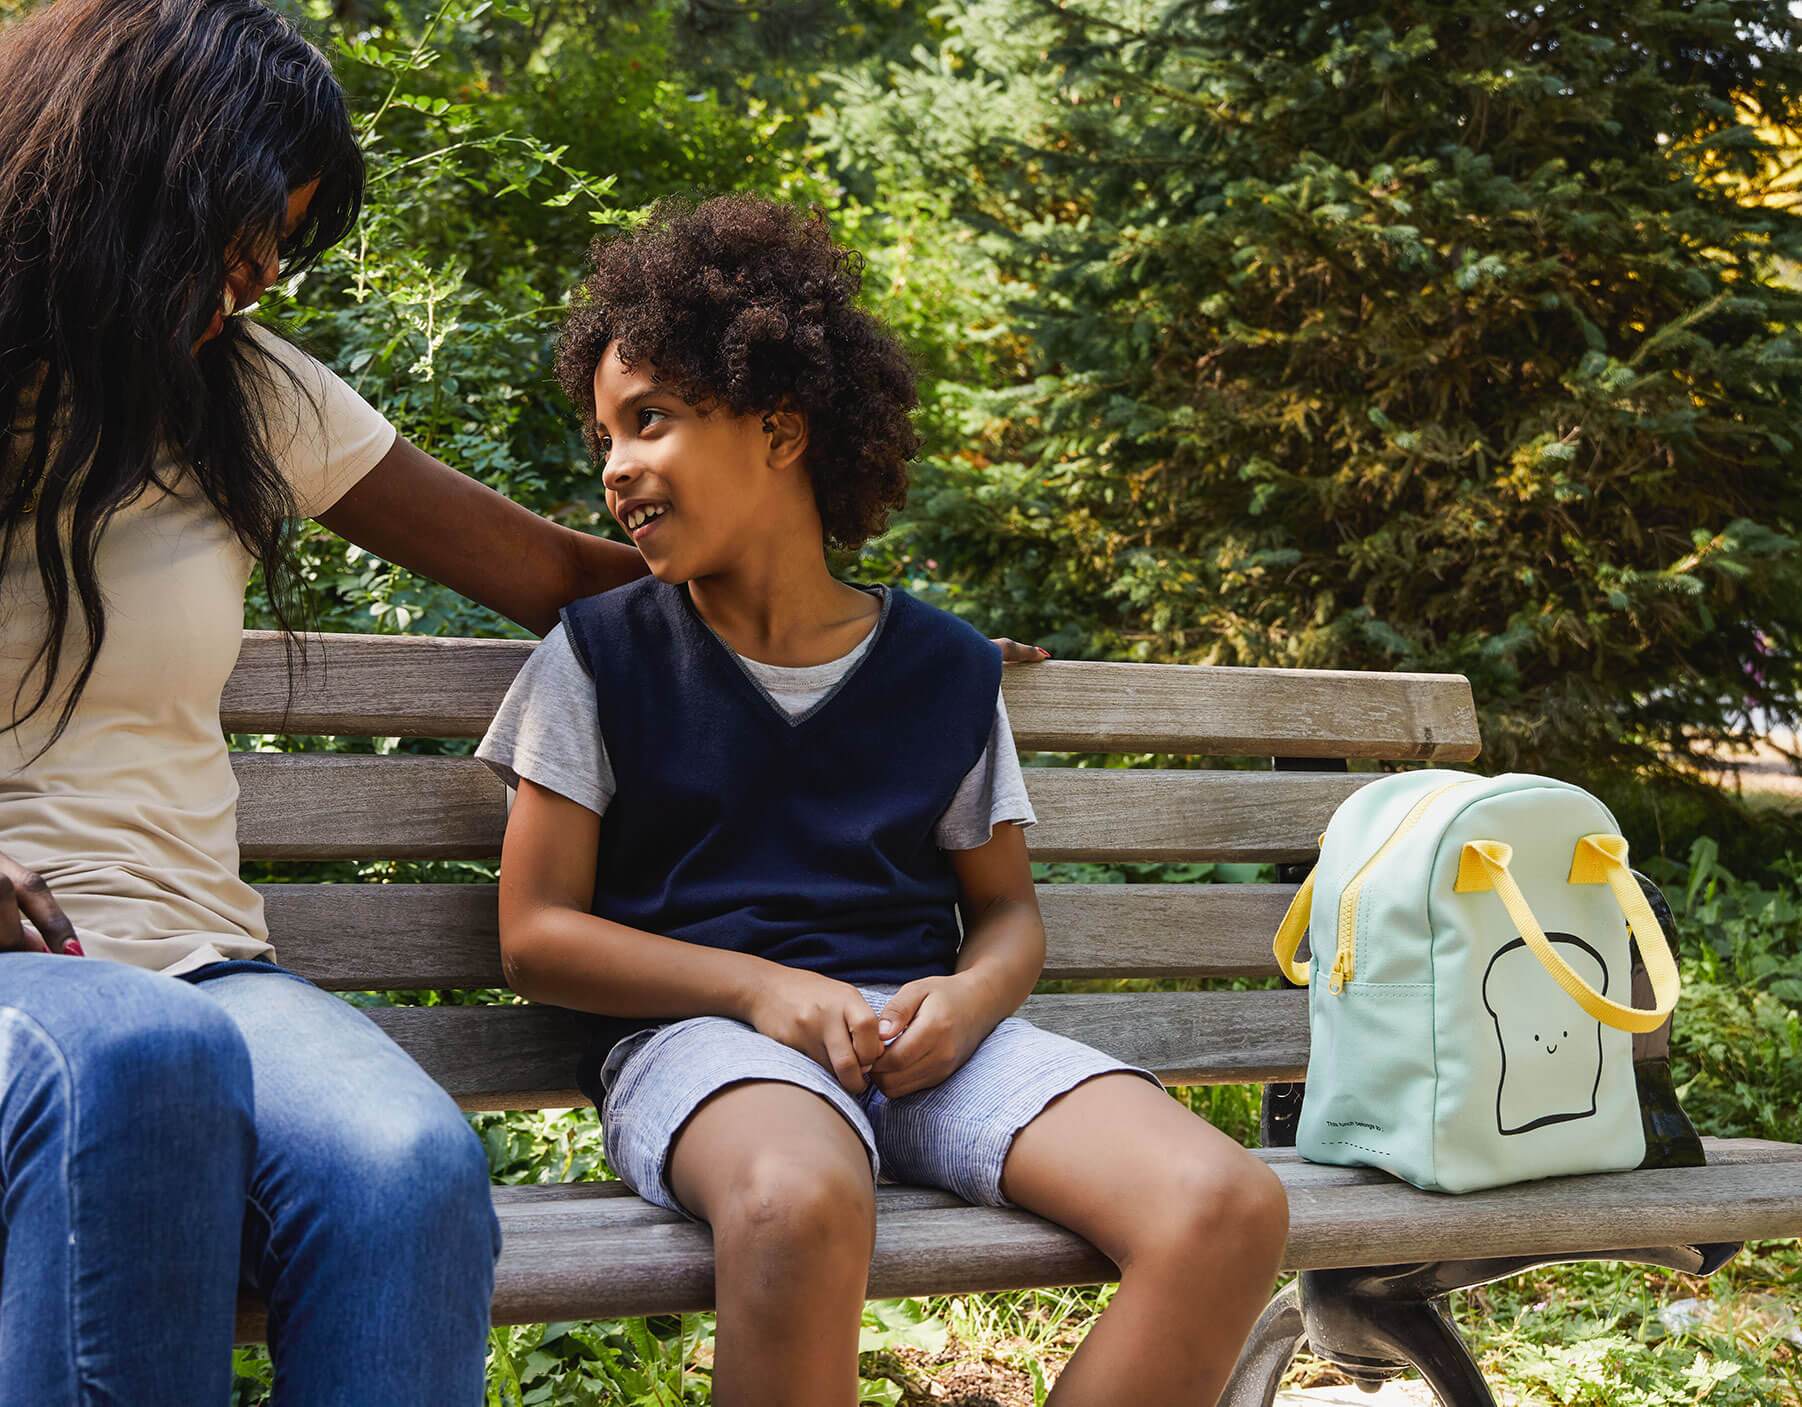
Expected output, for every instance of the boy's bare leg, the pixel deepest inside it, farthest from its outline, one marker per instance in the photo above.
(785, 1183)
(1195, 1223)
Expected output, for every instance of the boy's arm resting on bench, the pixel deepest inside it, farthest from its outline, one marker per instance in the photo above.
(943, 1019)
(553, 949)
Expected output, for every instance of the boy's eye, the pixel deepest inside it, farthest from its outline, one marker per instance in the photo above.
(605, 442)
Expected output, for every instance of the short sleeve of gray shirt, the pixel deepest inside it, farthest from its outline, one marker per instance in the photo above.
(546, 732)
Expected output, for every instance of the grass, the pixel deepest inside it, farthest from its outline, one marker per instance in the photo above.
(1599, 1334)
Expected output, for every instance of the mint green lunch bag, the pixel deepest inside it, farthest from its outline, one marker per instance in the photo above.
(1474, 1027)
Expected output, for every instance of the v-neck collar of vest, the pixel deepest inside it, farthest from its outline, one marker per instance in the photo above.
(887, 596)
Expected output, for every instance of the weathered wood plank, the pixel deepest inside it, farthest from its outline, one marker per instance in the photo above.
(1082, 706)
(409, 686)
(493, 1057)
(1108, 814)
(1188, 1038)
(596, 1251)
(666, 1264)
(416, 686)
(523, 1057)
(366, 937)
(319, 806)
(605, 1206)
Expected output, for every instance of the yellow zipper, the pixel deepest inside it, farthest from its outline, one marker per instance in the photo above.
(1344, 958)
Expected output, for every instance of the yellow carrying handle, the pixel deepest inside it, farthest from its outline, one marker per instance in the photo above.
(1483, 864)
(1293, 929)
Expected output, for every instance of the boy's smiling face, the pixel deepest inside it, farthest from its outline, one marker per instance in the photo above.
(691, 488)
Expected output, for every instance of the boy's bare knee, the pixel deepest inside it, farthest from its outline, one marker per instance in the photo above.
(781, 1198)
(1236, 1210)
(1251, 1212)
(1264, 1206)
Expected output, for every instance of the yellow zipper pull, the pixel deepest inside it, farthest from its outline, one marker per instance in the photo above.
(1335, 982)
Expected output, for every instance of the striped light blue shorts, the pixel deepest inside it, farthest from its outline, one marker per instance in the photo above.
(955, 1135)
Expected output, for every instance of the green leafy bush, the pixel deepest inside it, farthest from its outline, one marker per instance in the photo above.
(1736, 1049)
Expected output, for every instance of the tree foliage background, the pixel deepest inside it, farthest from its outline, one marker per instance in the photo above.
(1427, 336)
(1404, 336)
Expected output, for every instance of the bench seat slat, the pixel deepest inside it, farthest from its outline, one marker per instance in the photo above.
(522, 1057)
(328, 806)
(597, 1251)
(601, 1205)
(367, 937)
(666, 1264)
(416, 686)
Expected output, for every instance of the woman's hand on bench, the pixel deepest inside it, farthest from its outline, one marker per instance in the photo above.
(1013, 652)
(31, 921)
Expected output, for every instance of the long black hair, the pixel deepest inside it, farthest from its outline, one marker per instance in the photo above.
(142, 143)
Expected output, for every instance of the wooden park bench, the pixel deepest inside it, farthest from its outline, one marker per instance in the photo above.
(1376, 1256)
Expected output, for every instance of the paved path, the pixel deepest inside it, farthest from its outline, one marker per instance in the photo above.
(1765, 771)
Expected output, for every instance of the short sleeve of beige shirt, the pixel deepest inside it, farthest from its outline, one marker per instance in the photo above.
(132, 814)
(321, 432)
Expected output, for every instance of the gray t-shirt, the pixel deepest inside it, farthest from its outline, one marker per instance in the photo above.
(546, 731)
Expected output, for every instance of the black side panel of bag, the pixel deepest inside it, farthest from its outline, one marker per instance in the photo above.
(1671, 1140)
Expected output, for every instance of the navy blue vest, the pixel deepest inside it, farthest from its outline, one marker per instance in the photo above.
(807, 841)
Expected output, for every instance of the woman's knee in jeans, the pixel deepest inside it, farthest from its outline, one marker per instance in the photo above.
(419, 1175)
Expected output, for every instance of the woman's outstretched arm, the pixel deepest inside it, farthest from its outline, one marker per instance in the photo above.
(429, 518)
(425, 516)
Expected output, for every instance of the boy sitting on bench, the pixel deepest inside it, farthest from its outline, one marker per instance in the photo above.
(752, 800)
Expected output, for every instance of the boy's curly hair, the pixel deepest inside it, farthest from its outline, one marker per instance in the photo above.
(741, 303)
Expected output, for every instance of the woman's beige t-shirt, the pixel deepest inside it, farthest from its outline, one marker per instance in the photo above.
(132, 815)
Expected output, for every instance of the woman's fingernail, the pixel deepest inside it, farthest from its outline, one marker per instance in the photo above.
(884, 1027)
(73, 947)
(1043, 651)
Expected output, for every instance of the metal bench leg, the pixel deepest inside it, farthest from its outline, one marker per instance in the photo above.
(1375, 1336)
(1268, 1349)
(1371, 1337)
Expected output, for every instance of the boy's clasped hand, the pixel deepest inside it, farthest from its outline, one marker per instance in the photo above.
(936, 1023)
(926, 1031)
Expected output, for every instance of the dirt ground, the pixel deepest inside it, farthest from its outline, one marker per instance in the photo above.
(958, 1377)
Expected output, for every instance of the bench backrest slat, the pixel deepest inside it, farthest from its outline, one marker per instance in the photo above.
(416, 686)
(334, 806)
(370, 937)
(522, 1057)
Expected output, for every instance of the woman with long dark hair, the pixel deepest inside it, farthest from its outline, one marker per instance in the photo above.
(163, 1141)
(178, 1115)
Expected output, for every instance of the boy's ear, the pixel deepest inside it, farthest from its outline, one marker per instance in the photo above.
(786, 428)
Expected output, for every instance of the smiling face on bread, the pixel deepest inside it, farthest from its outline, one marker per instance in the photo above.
(1551, 1049)
(692, 485)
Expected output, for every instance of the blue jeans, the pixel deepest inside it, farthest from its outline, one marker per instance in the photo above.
(162, 1144)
